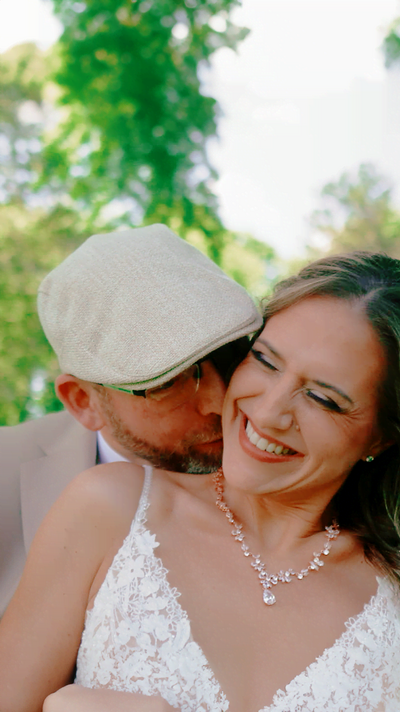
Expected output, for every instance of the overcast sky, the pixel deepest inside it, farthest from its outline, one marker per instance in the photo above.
(306, 98)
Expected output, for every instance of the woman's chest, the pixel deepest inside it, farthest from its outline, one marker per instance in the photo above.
(138, 637)
(255, 649)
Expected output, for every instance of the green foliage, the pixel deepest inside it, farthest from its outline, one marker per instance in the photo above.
(248, 261)
(127, 147)
(32, 242)
(391, 44)
(357, 214)
(35, 235)
(22, 74)
(137, 121)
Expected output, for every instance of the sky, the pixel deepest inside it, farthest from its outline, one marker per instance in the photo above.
(306, 98)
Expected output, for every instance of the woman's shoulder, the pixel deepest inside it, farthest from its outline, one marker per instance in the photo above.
(109, 495)
(97, 507)
(119, 485)
(106, 479)
(105, 491)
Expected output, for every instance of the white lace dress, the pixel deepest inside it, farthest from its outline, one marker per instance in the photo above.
(137, 638)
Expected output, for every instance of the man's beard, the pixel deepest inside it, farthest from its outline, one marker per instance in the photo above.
(190, 458)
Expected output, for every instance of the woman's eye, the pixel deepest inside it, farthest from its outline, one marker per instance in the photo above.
(262, 358)
(326, 402)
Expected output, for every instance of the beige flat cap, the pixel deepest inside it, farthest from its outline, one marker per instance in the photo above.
(137, 307)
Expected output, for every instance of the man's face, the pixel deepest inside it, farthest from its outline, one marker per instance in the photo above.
(185, 439)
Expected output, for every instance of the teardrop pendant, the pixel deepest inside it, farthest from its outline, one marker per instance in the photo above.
(268, 597)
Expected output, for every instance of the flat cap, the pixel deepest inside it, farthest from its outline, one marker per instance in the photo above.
(139, 306)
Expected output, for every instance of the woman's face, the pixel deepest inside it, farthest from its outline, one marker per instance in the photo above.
(301, 409)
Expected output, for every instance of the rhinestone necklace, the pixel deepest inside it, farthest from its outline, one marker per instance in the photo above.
(268, 580)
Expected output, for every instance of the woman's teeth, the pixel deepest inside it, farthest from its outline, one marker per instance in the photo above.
(266, 445)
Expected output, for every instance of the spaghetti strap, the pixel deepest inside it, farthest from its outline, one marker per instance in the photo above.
(143, 505)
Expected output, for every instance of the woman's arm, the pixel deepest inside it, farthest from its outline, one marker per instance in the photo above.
(74, 698)
(41, 629)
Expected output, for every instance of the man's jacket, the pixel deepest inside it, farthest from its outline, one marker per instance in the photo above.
(37, 460)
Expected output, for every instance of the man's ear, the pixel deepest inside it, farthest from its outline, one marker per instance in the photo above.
(81, 400)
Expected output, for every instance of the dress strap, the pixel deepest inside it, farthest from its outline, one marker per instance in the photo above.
(143, 505)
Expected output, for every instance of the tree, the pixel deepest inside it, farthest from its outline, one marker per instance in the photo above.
(40, 225)
(391, 44)
(137, 120)
(22, 76)
(32, 242)
(35, 235)
(357, 214)
(250, 262)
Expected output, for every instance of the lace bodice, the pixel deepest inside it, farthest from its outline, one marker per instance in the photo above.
(137, 638)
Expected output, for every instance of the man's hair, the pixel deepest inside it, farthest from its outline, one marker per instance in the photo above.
(368, 503)
(228, 357)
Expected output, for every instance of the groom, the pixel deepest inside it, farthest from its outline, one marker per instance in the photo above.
(145, 329)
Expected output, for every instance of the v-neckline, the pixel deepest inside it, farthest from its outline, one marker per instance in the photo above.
(280, 695)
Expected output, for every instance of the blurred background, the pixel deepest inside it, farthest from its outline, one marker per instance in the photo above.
(264, 132)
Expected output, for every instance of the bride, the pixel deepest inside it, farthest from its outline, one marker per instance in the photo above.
(272, 585)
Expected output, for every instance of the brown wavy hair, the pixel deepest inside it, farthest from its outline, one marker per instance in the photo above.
(368, 503)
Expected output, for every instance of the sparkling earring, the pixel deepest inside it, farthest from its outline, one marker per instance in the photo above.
(297, 427)
(369, 458)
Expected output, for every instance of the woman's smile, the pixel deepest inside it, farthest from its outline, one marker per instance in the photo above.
(263, 447)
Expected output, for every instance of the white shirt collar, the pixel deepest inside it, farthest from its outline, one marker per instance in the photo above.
(106, 453)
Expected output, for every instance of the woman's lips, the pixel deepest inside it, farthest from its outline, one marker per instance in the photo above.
(263, 455)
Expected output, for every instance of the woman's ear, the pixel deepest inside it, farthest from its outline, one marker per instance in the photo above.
(81, 400)
(377, 449)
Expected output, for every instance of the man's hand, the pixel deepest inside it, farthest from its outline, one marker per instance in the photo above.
(74, 698)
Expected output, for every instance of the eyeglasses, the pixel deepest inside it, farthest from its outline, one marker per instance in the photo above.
(173, 393)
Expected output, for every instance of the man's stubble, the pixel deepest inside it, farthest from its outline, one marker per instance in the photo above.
(189, 457)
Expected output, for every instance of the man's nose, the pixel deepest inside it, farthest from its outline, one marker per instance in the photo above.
(212, 389)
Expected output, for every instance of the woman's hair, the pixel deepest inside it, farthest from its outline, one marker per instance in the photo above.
(368, 503)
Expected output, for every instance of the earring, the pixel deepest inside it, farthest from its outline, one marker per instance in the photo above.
(297, 427)
(369, 458)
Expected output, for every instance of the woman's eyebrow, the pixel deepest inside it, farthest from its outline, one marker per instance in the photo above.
(318, 383)
(269, 347)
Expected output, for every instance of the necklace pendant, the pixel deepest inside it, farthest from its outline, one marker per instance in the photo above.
(268, 597)
(267, 580)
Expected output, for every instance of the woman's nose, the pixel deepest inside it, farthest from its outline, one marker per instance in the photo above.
(275, 406)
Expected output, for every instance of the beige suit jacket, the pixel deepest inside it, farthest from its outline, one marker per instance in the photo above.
(37, 460)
